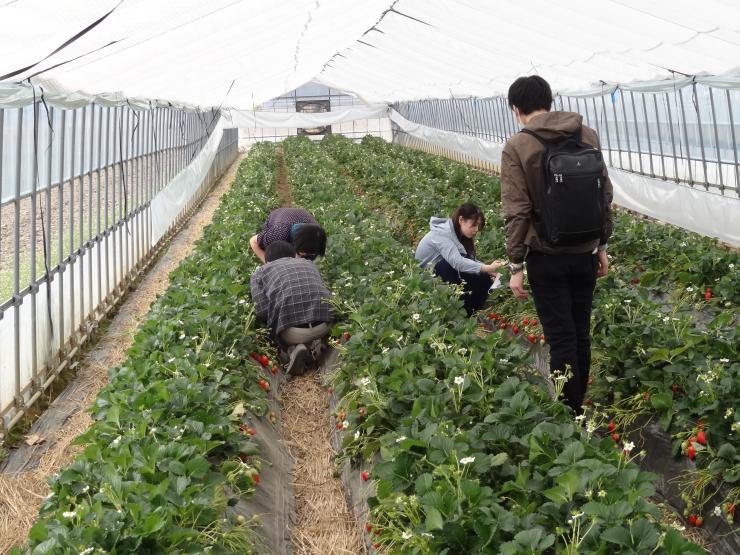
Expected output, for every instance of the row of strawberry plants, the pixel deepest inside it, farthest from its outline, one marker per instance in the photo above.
(167, 439)
(467, 456)
(647, 352)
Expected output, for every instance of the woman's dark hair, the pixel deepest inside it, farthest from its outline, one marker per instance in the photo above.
(279, 249)
(309, 239)
(529, 94)
(467, 211)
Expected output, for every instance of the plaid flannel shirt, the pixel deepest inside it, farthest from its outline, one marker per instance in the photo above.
(289, 292)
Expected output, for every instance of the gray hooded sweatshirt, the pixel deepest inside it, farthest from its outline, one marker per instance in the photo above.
(442, 242)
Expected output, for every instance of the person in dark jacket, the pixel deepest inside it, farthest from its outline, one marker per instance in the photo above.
(295, 226)
(449, 248)
(562, 278)
(290, 296)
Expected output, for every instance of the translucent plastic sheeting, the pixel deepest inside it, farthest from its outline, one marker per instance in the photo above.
(171, 200)
(481, 149)
(477, 48)
(241, 53)
(694, 209)
(207, 53)
(243, 118)
(80, 293)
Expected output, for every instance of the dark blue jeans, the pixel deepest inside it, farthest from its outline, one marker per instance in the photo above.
(475, 286)
(563, 290)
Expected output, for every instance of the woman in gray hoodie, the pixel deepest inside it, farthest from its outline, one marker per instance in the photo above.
(450, 250)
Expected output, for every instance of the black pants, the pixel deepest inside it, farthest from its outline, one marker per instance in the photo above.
(563, 290)
(475, 286)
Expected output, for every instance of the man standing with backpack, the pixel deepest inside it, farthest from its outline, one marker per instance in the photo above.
(556, 197)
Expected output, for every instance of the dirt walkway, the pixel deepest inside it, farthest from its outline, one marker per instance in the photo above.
(324, 523)
(22, 491)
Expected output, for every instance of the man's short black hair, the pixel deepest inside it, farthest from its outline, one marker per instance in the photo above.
(279, 249)
(529, 94)
(310, 239)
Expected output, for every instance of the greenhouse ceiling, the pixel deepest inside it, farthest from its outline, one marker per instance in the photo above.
(242, 53)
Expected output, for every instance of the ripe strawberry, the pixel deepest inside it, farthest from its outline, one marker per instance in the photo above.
(361, 411)
(368, 527)
(701, 437)
(502, 326)
(346, 336)
(615, 437)
(251, 431)
(612, 426)
(338, 426)
(699, 522)
(264, 385)
(533, 322)
(691, 452)
(243, 458)
(254, 355)
(635, 281)
(525, 322)
(365, 475)
(492, 316)
(256, 478)
(376, 546)
(674, 388)
(532, 338)
(515, 329)
(708, 294)
(731, 509)
(646, 396)
(692, 519)
(264, 361)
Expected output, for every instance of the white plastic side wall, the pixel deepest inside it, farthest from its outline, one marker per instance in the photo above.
(694, 209)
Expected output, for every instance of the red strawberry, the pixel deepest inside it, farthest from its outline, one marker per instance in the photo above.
(699, 522)
(361, 411)
(615, 437)
(646, 396)
(264, 361)
(243, 458)
(612, 426)
(275, 369)
(264, 385)
(692, 519)
(368, 527)
(502, 326)
(708, 294)
(532, 338)
(525, 322)
(635, 281)
(376, 546)
(691, 452)
(674, 388)
(254, 355)
(515, 329)
(346, 336)
(533, 322)
(365, 475)
(338, 426)
(731, 509)
(256, 478)
(251, 431)
(492, 316)
(701, 437)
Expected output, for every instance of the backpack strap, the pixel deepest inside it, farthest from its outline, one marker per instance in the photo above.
(576, 136)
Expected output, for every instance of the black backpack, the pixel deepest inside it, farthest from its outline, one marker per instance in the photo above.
(572, 207)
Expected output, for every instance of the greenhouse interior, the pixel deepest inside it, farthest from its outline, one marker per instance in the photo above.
(382, 276)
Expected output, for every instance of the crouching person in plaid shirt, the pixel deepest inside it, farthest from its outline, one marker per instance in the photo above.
(289, 294)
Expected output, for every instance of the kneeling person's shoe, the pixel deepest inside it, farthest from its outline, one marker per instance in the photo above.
(297, 362)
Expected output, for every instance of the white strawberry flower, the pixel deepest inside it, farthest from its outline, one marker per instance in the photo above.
(467, 460)
(406, 535)
(69, 514)
(459, 380)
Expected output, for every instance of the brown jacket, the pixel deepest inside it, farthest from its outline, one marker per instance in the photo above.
(521, 176)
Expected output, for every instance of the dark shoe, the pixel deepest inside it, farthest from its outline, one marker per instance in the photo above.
(297, 363)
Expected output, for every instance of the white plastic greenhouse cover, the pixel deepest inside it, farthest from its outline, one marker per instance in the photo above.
(242, 53)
